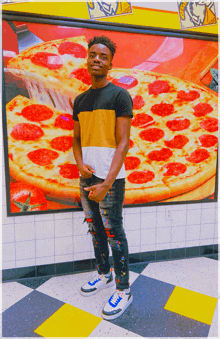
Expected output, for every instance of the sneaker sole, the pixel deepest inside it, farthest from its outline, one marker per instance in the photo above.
(114, 316)
(88, 294)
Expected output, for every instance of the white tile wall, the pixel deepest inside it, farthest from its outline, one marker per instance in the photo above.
(45, 248)
(163, 235)
(148, 220)
(24, 231)
(62, 237)
(44, 229)
(64, 246)
(64, 229)
(25, 250)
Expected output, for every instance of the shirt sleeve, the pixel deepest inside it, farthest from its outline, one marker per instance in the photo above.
(75, 110)
(124, 104)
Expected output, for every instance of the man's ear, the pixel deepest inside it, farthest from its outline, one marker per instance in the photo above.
(110, 66)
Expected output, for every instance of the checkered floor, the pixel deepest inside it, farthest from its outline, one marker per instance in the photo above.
(171, 299)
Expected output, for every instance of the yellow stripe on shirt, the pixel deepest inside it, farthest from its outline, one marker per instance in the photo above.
(98, 128)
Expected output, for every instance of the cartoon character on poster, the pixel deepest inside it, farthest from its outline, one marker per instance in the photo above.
(101, 9)
(196, 13)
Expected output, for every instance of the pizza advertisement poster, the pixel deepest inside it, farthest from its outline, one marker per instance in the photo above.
(172, 156)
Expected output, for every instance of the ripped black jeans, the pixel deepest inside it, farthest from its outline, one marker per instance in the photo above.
(105, 224)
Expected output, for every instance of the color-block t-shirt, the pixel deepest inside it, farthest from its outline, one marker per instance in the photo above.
(97, 110)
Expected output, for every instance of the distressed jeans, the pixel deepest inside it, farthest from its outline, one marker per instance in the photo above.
(105, 225)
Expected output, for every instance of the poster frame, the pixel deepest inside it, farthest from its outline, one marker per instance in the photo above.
(100, 25)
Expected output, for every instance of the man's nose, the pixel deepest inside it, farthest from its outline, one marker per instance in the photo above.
(97, 58)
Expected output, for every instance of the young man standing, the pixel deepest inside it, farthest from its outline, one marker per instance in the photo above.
(102, 117)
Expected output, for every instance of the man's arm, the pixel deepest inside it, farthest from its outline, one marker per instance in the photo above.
(85, 170)
(123, 125)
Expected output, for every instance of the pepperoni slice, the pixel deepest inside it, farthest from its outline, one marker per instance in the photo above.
(64, 121)
(199, 155)
(208, 140)
(151, 134)
(69, 47)
(48, 60)
(141, 177)
(202, 109)
(159, 86)
(188, 96)
(25, 131)
(37, 113)
(63, 143)
(160, 155)
(131, 143)
(126, 82)
(141, 119)
(174, 168)
(179, 141)
(210, 124)
(178, 124)
(42, 156)
(162, 109)
(82, 74)
(69, 171)
(131, 163)
(138, 102)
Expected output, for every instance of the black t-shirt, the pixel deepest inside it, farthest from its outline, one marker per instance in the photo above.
(110, 97)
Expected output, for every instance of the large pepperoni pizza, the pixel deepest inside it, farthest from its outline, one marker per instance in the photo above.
(174, 132)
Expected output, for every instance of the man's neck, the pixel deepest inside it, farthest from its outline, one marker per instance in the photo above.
(99, 82)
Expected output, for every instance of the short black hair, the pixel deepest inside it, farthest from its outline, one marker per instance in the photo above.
(104, 40)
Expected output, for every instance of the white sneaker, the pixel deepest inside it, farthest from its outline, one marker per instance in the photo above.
(117, 304)
(98, 283)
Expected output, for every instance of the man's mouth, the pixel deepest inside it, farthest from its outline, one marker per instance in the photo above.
(95, 66)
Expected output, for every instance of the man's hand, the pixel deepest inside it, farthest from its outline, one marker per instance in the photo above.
(97, 192)
(86, 171)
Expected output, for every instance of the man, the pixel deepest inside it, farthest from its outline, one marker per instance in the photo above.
(102, 117)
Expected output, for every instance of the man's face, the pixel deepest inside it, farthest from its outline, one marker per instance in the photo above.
(99, 60)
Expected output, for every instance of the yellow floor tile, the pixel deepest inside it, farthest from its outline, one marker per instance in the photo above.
(191, 304)
(69, 321)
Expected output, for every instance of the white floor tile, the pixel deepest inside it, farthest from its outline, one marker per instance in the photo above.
(12, 292)
(213, 332)
(107, 329)
(197, 274)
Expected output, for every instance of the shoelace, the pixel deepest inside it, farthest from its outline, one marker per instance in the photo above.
(116, 297)
(95, 279)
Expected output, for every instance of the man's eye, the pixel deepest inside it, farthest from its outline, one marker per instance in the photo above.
(104, 58)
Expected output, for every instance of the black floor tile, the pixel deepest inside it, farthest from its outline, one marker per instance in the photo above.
(21, 319)
(137, 268)
(33, 282)
(147, 317)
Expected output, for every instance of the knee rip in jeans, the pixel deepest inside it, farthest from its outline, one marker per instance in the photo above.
(91, 230)
(109, 233)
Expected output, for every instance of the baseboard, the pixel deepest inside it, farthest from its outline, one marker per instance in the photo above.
(46, 271)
